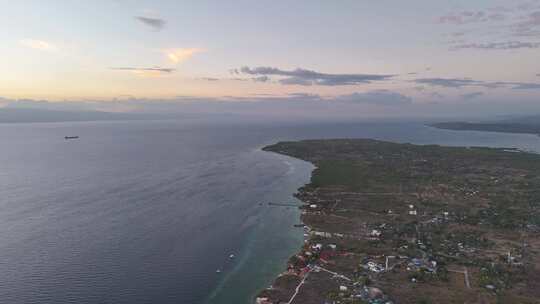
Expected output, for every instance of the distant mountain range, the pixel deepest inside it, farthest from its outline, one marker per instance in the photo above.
(20, 115)
(525, 124)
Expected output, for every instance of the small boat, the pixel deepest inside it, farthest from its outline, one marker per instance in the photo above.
(71, 137)
(231, 256)
(218, 271)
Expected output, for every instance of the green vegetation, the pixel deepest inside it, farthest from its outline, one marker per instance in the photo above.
(507, 127)
(461, 224)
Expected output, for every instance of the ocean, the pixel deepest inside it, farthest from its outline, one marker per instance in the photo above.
(148, 211)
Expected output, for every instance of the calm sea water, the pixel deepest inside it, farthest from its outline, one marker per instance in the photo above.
(146, 212)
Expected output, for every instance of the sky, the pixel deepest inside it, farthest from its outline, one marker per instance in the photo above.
(383, 57)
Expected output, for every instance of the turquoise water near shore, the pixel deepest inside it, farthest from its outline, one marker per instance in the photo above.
(274, 239)
(247, 279)
(145, 212)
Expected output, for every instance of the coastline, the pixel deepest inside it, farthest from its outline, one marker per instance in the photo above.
(272, 238)
(283, 278)
(513, 128)
(288, 282)
(378, 235)
(297, 220)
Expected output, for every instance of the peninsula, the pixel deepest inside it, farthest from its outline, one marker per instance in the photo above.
(506, 127)
(402, 223)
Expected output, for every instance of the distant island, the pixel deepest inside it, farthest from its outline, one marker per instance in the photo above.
(507, 127)
(403, 223)
(45, 115)
(26, 115)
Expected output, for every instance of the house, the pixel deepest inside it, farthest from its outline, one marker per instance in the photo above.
(263, 301)
(322, 234)
(376, 233)
(326, 255)
(374, 267)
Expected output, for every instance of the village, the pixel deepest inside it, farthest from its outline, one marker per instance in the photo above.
(399, 223)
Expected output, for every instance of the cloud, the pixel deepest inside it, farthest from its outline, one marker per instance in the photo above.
(467, 17)
(526, 86)
(374, 97)
(156, 69)
(468, 82)
(493, 14)
(38, 44)
(180, 55)
(379, 97)
(146, 72)
(473, 95)
(307, 77)
(290, 107)
(279, 106)
(255, 79)
(509, 45)
(295, 107)
(46, 105)
(298, 81)
(437, 95)
(528, 26)
(450, 82)
(497, 17)
(538, 75)
(457, 34)
(261, 79)
(155, 23)
(520, 20)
